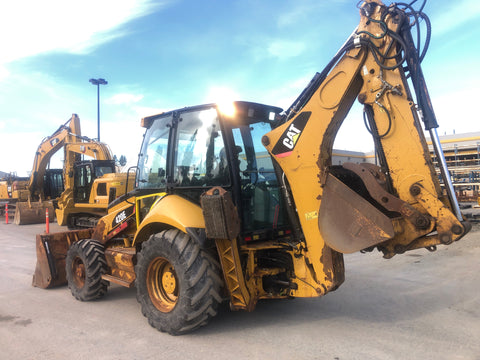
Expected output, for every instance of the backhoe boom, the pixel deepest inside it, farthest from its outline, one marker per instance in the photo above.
(370, 68)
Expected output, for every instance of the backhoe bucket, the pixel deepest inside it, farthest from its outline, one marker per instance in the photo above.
(348, 222)
(51, 254)
(33, 212)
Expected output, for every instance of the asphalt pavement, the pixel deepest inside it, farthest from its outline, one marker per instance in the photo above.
(419, 305)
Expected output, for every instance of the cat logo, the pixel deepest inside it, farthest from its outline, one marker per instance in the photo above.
(291, 135)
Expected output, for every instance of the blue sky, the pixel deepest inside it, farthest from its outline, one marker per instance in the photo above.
(161, 55)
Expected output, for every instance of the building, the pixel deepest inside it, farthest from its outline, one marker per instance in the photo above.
(340, 157)
(462, 153)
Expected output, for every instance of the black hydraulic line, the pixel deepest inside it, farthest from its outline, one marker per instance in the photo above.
(428, 36)
(374, 132)
(418, 81)
(419, 15)
(372, 128)
(287, 200)
(421, 7)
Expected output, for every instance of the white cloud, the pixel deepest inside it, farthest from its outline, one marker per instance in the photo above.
(37, 101)
(125, 138)
(36, 27)
(285, 48)
(15, 154)
(299, 11)
(281, 94)
(143, 111)
(123, 99)
(4, 73)
(453, 118)
(452, 14)
(221, 94)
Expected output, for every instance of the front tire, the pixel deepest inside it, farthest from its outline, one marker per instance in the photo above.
(178, 283)
(85, 265)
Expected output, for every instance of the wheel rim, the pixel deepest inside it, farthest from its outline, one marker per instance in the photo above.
(162, 284)
(78, 271)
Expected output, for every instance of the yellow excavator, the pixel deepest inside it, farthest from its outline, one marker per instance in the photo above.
(79, 193)
(244, 203)
(33, 199)
(11, 188)
(89, 185)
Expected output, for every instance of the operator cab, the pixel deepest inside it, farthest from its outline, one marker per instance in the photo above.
(53, 183)
(188, 151)
(85, 172)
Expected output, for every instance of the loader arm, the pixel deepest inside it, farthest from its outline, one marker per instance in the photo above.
(396, 207)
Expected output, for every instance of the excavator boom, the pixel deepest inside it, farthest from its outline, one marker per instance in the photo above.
(32, 211)
(75, 145)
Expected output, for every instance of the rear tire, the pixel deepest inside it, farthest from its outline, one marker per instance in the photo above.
(85, 265)
(178, 283)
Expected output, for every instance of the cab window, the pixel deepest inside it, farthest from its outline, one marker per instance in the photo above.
(261, 200)
(200, 157)
(153, 158)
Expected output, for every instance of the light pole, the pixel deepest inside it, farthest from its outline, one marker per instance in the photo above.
(98, 82)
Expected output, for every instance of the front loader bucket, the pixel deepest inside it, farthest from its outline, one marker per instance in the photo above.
(33, 212)
(51, 254)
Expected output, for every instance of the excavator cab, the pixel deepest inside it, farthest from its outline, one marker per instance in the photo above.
(85, 173)
(53, 183)
(30, 212)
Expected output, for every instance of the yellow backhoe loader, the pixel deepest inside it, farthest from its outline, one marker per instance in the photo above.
(244, 204)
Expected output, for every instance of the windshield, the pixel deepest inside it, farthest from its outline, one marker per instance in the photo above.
(102, 170)
(200, 150)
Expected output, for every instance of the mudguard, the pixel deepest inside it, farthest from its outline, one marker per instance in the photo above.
(171, 211)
